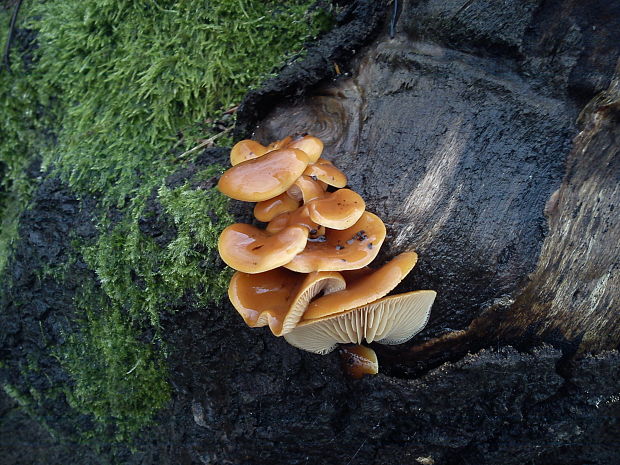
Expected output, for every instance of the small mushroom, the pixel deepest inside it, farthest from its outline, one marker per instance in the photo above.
(358, 361)
(312, 146)
(391, 320)
(267, 210)
(337, 210)
(335, 254)
(279, 297)
(324, 170)
(249, 149)
(246, 150)
(280, 144)
(265, 177)
(305, 189)
(299, 217)
(251, 250)
(364, 289)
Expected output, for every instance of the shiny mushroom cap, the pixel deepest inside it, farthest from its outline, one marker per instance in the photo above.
(267, 210)
(280, 144)
(324, 171)
(251, 250)
(312, 146)
(265, 177)
(246, 150)
(305, 189)
(337, 210)
(392, 320)
(364, 289)
(278, 297)
(346, 249)
(298, 217)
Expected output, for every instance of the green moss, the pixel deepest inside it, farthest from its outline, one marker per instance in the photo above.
(137, 77)
(111, 97)
(27, 404)
(119, 380)
(22, 137)
(17, 396)
(199, 217)
(144, 278)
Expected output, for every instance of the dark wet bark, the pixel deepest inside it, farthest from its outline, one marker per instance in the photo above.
(457, 133)
(574, 290)
(462, 133)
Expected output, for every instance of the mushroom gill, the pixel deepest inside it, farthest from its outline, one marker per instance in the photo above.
(390, 320)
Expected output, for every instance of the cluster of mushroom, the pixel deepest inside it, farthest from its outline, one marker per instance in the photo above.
(305, 275)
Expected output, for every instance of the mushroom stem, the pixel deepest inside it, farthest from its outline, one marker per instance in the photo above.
(358, 361)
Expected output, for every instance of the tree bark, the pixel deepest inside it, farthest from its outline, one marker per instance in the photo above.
(459, 132)
(462, 132)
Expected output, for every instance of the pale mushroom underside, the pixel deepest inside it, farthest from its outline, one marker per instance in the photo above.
(391, 320)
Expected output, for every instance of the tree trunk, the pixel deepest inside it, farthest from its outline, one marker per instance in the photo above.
(486, 136)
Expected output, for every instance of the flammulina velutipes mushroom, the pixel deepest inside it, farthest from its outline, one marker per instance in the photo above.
(306, 275)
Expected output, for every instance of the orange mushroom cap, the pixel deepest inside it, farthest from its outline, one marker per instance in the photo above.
(364, 289)
(323, 170)
(298, 217)
(265, 177)
(353, 275)
(267, 210)
(246, 150)
(279, 144)
(346, 249)
(337, 210)
(279, 297)
(249, 149)
(251, 250)
(305, 189)
(312, 146)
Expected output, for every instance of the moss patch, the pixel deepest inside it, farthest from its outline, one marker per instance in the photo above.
(23, 135)
(108, 99)
(119, 380)
(139, 80)
(199, 216)
(145, 278)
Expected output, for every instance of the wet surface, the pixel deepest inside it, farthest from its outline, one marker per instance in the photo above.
(456, 154)
(456, 132)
